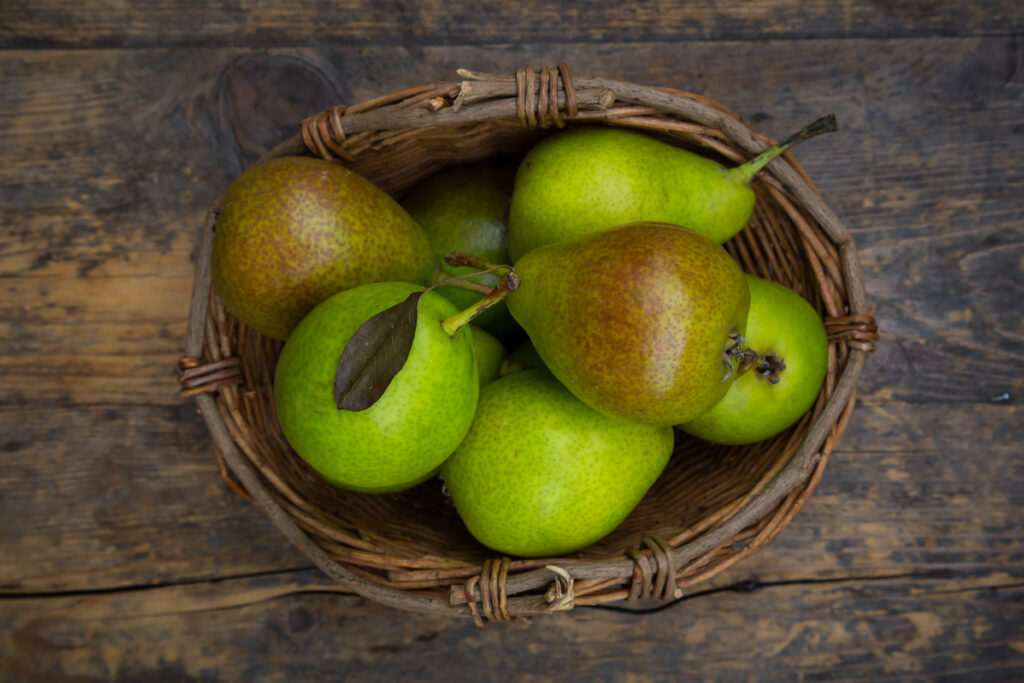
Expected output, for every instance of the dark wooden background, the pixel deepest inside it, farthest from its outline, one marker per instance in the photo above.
(124, 557)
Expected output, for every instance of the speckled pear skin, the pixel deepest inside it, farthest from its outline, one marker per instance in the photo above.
(293, 231)
(541, 474)
(419, 420)
(634, 320)
(592, 178)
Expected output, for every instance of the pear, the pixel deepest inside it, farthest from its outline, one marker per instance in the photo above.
(489, 354)
(419, 419)
(594, 177)
(779, 382)
(465, 208)
(636, 321)
(293, 231)
(541, 474)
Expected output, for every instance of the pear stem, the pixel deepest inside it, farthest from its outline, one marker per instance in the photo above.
(459, 283)
(745, 172)
(458, 258)
(508, 284)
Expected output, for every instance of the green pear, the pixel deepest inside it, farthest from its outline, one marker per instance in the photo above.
(781, 383)
(541, 474)
(594, 177)
(416, 423)
(293, 231)
(465, 208)
(489, 354)
(636, 320)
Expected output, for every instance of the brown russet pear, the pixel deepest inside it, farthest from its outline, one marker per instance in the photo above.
(293, 231)
(636, 321)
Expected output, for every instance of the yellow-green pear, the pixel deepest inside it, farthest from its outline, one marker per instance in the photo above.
(542, 474)
(780, 380)
(592, 177)
(419, 415)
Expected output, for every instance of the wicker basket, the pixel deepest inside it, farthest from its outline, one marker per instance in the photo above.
(712, 507)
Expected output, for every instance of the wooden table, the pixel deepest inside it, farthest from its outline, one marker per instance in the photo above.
(124, 557)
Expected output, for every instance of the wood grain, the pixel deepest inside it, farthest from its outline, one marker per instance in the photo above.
(108, 496)
(268, 629)
(50, 23)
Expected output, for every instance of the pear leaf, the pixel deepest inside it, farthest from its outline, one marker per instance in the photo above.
(374, 354)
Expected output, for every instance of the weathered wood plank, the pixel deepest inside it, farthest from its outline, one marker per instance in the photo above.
(293, 627)
(115, 155)
(361, 22)
(912, 488)
(105, 496)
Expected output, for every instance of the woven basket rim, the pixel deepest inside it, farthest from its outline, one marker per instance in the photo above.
(803, 468)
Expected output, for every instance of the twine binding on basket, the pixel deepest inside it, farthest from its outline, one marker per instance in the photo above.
(486, 593)
(196, 377)
(544, 97)
(858, 331)
(408, 560)
(654, 571)
(493, 592)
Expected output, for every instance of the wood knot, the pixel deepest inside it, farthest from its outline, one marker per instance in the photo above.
(196, 377)
(324, 134)
(654, 571)
(537, 96)
(858, 331)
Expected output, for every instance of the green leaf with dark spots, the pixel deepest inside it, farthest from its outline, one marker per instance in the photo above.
(375, 354)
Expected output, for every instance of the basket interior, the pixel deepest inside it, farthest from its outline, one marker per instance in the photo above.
(416, 535)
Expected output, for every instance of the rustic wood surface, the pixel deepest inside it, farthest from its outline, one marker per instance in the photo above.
(124, 557)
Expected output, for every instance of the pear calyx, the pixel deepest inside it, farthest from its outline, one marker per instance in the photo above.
(770, 367)
(739, 359)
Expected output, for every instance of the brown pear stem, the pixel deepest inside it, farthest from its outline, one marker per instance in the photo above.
(462, 282)
(508, 284)
(459, 283)
(458, 259)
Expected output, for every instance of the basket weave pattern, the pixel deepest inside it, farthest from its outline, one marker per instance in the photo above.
(712, 507)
